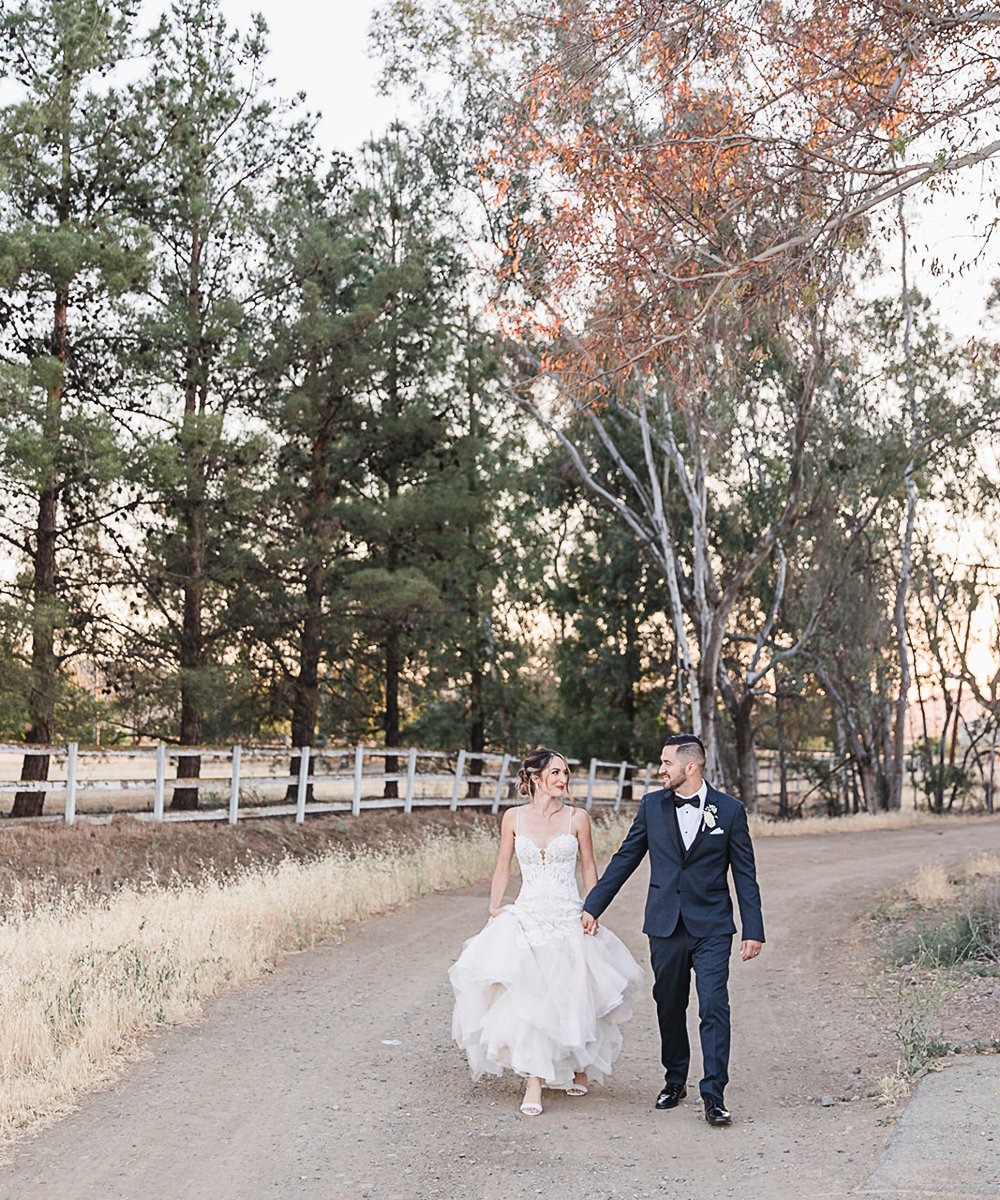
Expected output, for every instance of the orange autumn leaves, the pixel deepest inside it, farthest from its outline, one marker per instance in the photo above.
(684, 156)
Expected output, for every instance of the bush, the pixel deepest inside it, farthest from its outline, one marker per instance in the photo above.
(971, 934)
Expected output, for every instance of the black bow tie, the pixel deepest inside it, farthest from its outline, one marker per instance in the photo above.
(682, 801)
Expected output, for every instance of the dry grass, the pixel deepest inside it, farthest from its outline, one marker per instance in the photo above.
(983, 866)
(891, 1090)
(929, 886)
(609, 832)
(854, 823)
(82, 978)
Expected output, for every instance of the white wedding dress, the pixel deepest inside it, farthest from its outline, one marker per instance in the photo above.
(533, 992)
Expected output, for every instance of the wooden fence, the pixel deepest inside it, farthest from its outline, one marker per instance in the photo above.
(343, 778)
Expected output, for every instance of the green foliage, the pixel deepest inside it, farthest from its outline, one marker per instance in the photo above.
(969, 934)
(215, 143)
(67, 256)
(941, 943)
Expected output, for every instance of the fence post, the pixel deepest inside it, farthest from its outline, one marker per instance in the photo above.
(459, 772)
(300, 798)
(70, 813)
(504, 768)
(359, 768)
(590, 784)
(411, 774)
(161, 777)
(622, 768)
(234, 786)
(649, 778)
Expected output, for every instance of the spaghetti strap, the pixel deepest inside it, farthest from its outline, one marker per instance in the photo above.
(570, 829)
(517, 820)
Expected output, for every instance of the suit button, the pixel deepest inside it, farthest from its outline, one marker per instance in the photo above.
(678, 891)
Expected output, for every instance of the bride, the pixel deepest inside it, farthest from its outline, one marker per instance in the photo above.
(533, 992)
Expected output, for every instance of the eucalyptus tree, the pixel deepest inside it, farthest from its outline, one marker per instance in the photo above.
(613, 654)
(922, 411)
(658, 192)
(68, 247)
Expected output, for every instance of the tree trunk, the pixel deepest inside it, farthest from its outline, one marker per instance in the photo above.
(869, 788)
(42, 697)
(895, 766)
(305, 693)
(477, 639)
(192, 647)
(784, 810)
(477, 725)
(848, 783)
(706, 726)
(746, 750)
(631, 670)
(393, 670)
(192, 662)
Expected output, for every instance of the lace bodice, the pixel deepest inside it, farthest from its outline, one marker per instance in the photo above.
(548, 903)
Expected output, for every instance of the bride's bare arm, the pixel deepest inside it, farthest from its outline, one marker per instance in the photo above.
(501, 873)
(588, 867)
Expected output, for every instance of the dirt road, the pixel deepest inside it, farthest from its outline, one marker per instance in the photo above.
(336, 1077)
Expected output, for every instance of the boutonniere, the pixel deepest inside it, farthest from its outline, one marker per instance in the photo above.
(709, 816)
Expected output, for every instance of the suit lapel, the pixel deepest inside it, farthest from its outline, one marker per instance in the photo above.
(670, 817)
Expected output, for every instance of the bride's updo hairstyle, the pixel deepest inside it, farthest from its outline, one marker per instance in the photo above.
(532, 765)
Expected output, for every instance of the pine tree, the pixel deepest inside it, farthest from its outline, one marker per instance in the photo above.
(217, 144)
(405, 518)
(316, 367)
(66, 249)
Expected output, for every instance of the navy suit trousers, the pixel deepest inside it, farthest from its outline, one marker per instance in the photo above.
(673, 959)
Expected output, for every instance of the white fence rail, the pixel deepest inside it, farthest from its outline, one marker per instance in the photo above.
(94, 783)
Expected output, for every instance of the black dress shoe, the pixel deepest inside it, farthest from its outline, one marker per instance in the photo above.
(716, 1112)
(671, 1095)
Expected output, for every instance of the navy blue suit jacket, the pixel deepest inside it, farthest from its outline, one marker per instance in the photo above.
(692, 885)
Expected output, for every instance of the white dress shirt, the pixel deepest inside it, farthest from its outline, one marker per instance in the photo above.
(689, 817)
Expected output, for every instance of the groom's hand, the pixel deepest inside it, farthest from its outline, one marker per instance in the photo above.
(750, 949)
(590, 924)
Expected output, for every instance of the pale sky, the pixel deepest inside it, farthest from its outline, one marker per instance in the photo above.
(322, 51)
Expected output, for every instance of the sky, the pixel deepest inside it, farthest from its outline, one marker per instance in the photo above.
(321, 49)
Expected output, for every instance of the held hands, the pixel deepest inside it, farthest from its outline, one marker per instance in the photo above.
(750, 949)
(590, 924)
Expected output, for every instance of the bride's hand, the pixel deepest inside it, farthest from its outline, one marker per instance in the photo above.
(496, 911)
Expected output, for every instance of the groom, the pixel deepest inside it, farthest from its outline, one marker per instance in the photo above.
(695, 836)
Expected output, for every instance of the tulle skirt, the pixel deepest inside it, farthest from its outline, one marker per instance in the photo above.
(547, 1009)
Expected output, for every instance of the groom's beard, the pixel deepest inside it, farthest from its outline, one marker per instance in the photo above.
(679, 783)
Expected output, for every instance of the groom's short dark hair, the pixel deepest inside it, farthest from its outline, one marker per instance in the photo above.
(689, 747)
